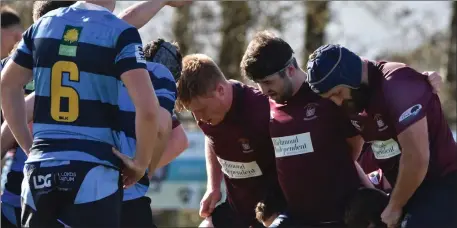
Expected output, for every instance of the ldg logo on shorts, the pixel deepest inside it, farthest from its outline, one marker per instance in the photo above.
(42, 182)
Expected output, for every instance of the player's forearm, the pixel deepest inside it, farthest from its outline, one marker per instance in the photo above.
(163, 136)
(356, 145)
(146, 126)
(213, 170)
(141, 13)
(363, 177)
(411, 173)
(14, 112)
(177, 143)
(7, 140)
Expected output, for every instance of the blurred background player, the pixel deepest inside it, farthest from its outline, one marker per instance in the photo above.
(11, 31)
(72, 127)
(398, 112)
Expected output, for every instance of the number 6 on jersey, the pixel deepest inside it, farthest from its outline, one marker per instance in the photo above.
(59, 91)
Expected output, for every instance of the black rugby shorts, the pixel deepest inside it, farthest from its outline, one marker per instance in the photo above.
(137, 213)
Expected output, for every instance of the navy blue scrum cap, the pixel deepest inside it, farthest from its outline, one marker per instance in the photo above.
(167, 55)
(333, 65)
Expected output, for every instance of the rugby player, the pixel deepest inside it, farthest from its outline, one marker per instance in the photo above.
(136, 209)
(302, 128)
(73, 123)
(395, 109)
(234, 118)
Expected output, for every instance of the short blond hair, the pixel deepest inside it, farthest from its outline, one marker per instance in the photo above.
(199, 76)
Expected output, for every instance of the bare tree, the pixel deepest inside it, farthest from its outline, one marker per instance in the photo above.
(182, 31)
(235, 23)
(316, 20)
(452, 51)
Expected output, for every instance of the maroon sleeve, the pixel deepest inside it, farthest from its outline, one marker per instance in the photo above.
(344, 123)
(406, 94)
(175, 122)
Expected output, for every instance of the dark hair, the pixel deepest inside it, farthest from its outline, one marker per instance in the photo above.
(273, 202)
(366, 207)
(9, 17)
(165, 53)
(266, 54)
(40, 8)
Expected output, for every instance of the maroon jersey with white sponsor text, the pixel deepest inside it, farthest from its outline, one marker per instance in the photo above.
(399, 97)
(314, 163)
(243, 147)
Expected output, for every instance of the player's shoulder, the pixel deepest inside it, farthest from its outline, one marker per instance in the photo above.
(394, 71)
(53, 13)
(159, 70)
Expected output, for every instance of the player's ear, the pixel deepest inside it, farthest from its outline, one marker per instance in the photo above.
(290, 70)
(220, 90)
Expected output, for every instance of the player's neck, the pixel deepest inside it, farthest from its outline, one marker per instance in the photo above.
(365, 71)
(298, 80)
(109, 4)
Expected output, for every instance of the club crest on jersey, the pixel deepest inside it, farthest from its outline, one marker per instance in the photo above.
(410, 112)
(310, 111)
(381, 125)
(356, 125)
(245, 146)
(69, 41)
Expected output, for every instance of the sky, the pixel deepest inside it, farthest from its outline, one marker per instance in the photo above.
(352, 25)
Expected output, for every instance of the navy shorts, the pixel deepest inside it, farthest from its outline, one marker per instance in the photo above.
(433, 205)
(223, 216)
(11, 216)
(74, 193)
(137, 213)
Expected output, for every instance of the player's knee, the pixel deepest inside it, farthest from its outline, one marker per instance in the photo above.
(208, 222)
(365, 208)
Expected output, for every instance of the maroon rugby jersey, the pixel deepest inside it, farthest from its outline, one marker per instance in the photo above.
(243, 146)
(314, 162)
(399, 97)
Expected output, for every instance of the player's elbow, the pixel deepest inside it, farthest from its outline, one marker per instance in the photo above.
(165, 124)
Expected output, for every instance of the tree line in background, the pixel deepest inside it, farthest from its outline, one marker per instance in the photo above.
(239, 17)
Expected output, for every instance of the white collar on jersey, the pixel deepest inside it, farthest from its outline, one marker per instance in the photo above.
(89, 6)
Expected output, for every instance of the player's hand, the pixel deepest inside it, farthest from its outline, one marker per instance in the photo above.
(178, 3)
(209, 201)
(132, 171)
(391, 216)
(435, 80)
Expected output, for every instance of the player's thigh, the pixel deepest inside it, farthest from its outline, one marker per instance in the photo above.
(434, 206)
(137, 213)
(96, 195)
